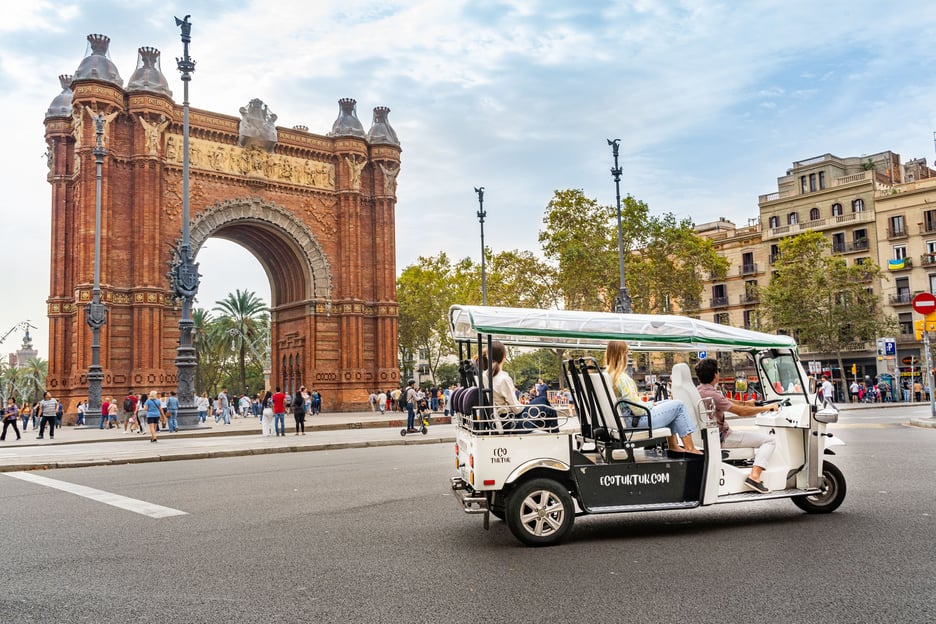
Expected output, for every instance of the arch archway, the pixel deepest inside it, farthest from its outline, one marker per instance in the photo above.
(317, 211)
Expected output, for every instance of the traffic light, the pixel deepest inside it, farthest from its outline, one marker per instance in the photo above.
(854, 369)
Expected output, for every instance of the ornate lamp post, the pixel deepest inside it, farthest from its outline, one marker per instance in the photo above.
(95, 312)
(623, 301)
(184, 272)
(481, 214)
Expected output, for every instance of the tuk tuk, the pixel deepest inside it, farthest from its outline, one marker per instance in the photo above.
(590, 457)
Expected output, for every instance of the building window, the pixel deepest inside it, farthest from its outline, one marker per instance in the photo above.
(814, 214)
(774, 222)
(900, 252)
(719, 296)
(803, 187)
(861, 239)
(838, 242)
(858, 205)
(749, 318)
(898, 226)
(774, 253)
(906, 322)
(722, 318)
(792, 218)
(836, 210)
(929, 221)
(932, 282)
(812, 181)
(821, 180)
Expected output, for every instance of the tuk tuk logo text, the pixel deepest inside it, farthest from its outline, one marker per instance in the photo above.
(500, 456)
(634, 479)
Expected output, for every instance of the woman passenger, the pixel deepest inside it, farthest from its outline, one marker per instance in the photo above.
(670, 413)
(506, 405)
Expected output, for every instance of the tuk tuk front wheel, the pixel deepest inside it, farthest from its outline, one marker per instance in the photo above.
(540, 512)
(831, 496)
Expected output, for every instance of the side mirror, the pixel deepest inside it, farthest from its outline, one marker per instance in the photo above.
(813, 386)
(827, 415)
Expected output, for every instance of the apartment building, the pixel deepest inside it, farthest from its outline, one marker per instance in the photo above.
(872, 209)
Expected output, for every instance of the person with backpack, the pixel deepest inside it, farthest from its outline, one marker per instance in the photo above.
(129, 409)
(298, 410)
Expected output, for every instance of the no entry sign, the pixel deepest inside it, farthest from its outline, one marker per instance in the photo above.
(924, 303)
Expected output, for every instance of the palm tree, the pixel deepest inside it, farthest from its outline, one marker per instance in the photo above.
(243, 317)
(34, 378)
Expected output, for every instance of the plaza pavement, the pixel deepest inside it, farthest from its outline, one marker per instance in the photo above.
(89, 446)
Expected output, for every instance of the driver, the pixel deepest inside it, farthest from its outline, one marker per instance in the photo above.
(707, 372)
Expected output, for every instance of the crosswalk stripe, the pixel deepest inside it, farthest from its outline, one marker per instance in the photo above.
(115, 500)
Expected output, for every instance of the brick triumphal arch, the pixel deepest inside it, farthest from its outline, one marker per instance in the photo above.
(317, 211)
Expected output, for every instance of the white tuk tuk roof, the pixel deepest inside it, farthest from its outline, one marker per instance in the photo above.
(573, 329)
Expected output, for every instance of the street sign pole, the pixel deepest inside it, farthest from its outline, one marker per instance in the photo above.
(929, 374)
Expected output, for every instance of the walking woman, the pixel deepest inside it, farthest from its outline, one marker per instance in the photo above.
(154, 412)
(10, 417)
(25, 414)
(298, 407)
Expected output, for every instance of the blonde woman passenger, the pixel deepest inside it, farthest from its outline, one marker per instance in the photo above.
(670, 413)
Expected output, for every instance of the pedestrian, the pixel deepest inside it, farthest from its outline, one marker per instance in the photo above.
(828, 391)
(82, 407)
(36, 413)
(298, 408)
(105, 405)
(279, 412)
(917, 391)
(112, 411)
(372, 401)
(201, 406)
(47, 408)
(25, 414)
(224, 404)
(154, 414)
(141, 412)
(408, 400)
(266, 416)
(129, 409)
(59, 412)
(382, 402)
(172, 408)
(10, 417)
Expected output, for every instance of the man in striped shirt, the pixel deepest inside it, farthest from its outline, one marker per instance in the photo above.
(47, 408)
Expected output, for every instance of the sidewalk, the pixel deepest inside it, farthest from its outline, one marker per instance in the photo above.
(89, 446)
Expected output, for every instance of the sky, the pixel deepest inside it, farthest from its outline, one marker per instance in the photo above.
(712, 102)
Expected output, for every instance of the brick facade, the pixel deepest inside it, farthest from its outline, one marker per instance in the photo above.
(317, 212)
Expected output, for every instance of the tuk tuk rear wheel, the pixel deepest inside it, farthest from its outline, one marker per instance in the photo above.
(540, 512)
(832, 495)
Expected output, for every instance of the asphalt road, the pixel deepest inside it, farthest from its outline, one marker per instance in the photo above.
(373, 535)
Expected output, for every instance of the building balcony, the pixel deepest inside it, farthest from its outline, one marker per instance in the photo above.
(773, 259)
(719, 302)
(748, 269)
(850, 218)
(853, 247)
(928, 260)
(901, 264)
(904, 339)
(897, 234)
(748, 298)
(902, 298)
(928, 228)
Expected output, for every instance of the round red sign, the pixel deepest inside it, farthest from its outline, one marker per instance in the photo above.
(924, 303)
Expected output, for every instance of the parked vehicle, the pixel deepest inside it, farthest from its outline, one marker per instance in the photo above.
(590, 459)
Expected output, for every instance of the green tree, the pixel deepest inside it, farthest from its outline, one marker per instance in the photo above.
(527, 367)
(424, 292)
(826, 304)
(579, 239)
(244, 318)
(447, 374)
(34, 376)
(665, 260)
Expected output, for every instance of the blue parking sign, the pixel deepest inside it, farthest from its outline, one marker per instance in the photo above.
(702, 355)
(890, 347)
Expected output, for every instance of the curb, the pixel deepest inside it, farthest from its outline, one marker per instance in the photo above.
(325, 446)
(207, 432)
(926, 423)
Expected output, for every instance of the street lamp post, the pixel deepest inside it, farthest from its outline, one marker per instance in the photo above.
(184, 272)
(95, 312)
(623, 301)
(481, 214)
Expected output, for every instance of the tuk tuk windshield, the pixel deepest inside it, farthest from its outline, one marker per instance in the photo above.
(781, 372)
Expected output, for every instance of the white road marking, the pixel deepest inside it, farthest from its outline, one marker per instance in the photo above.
(116, 500)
